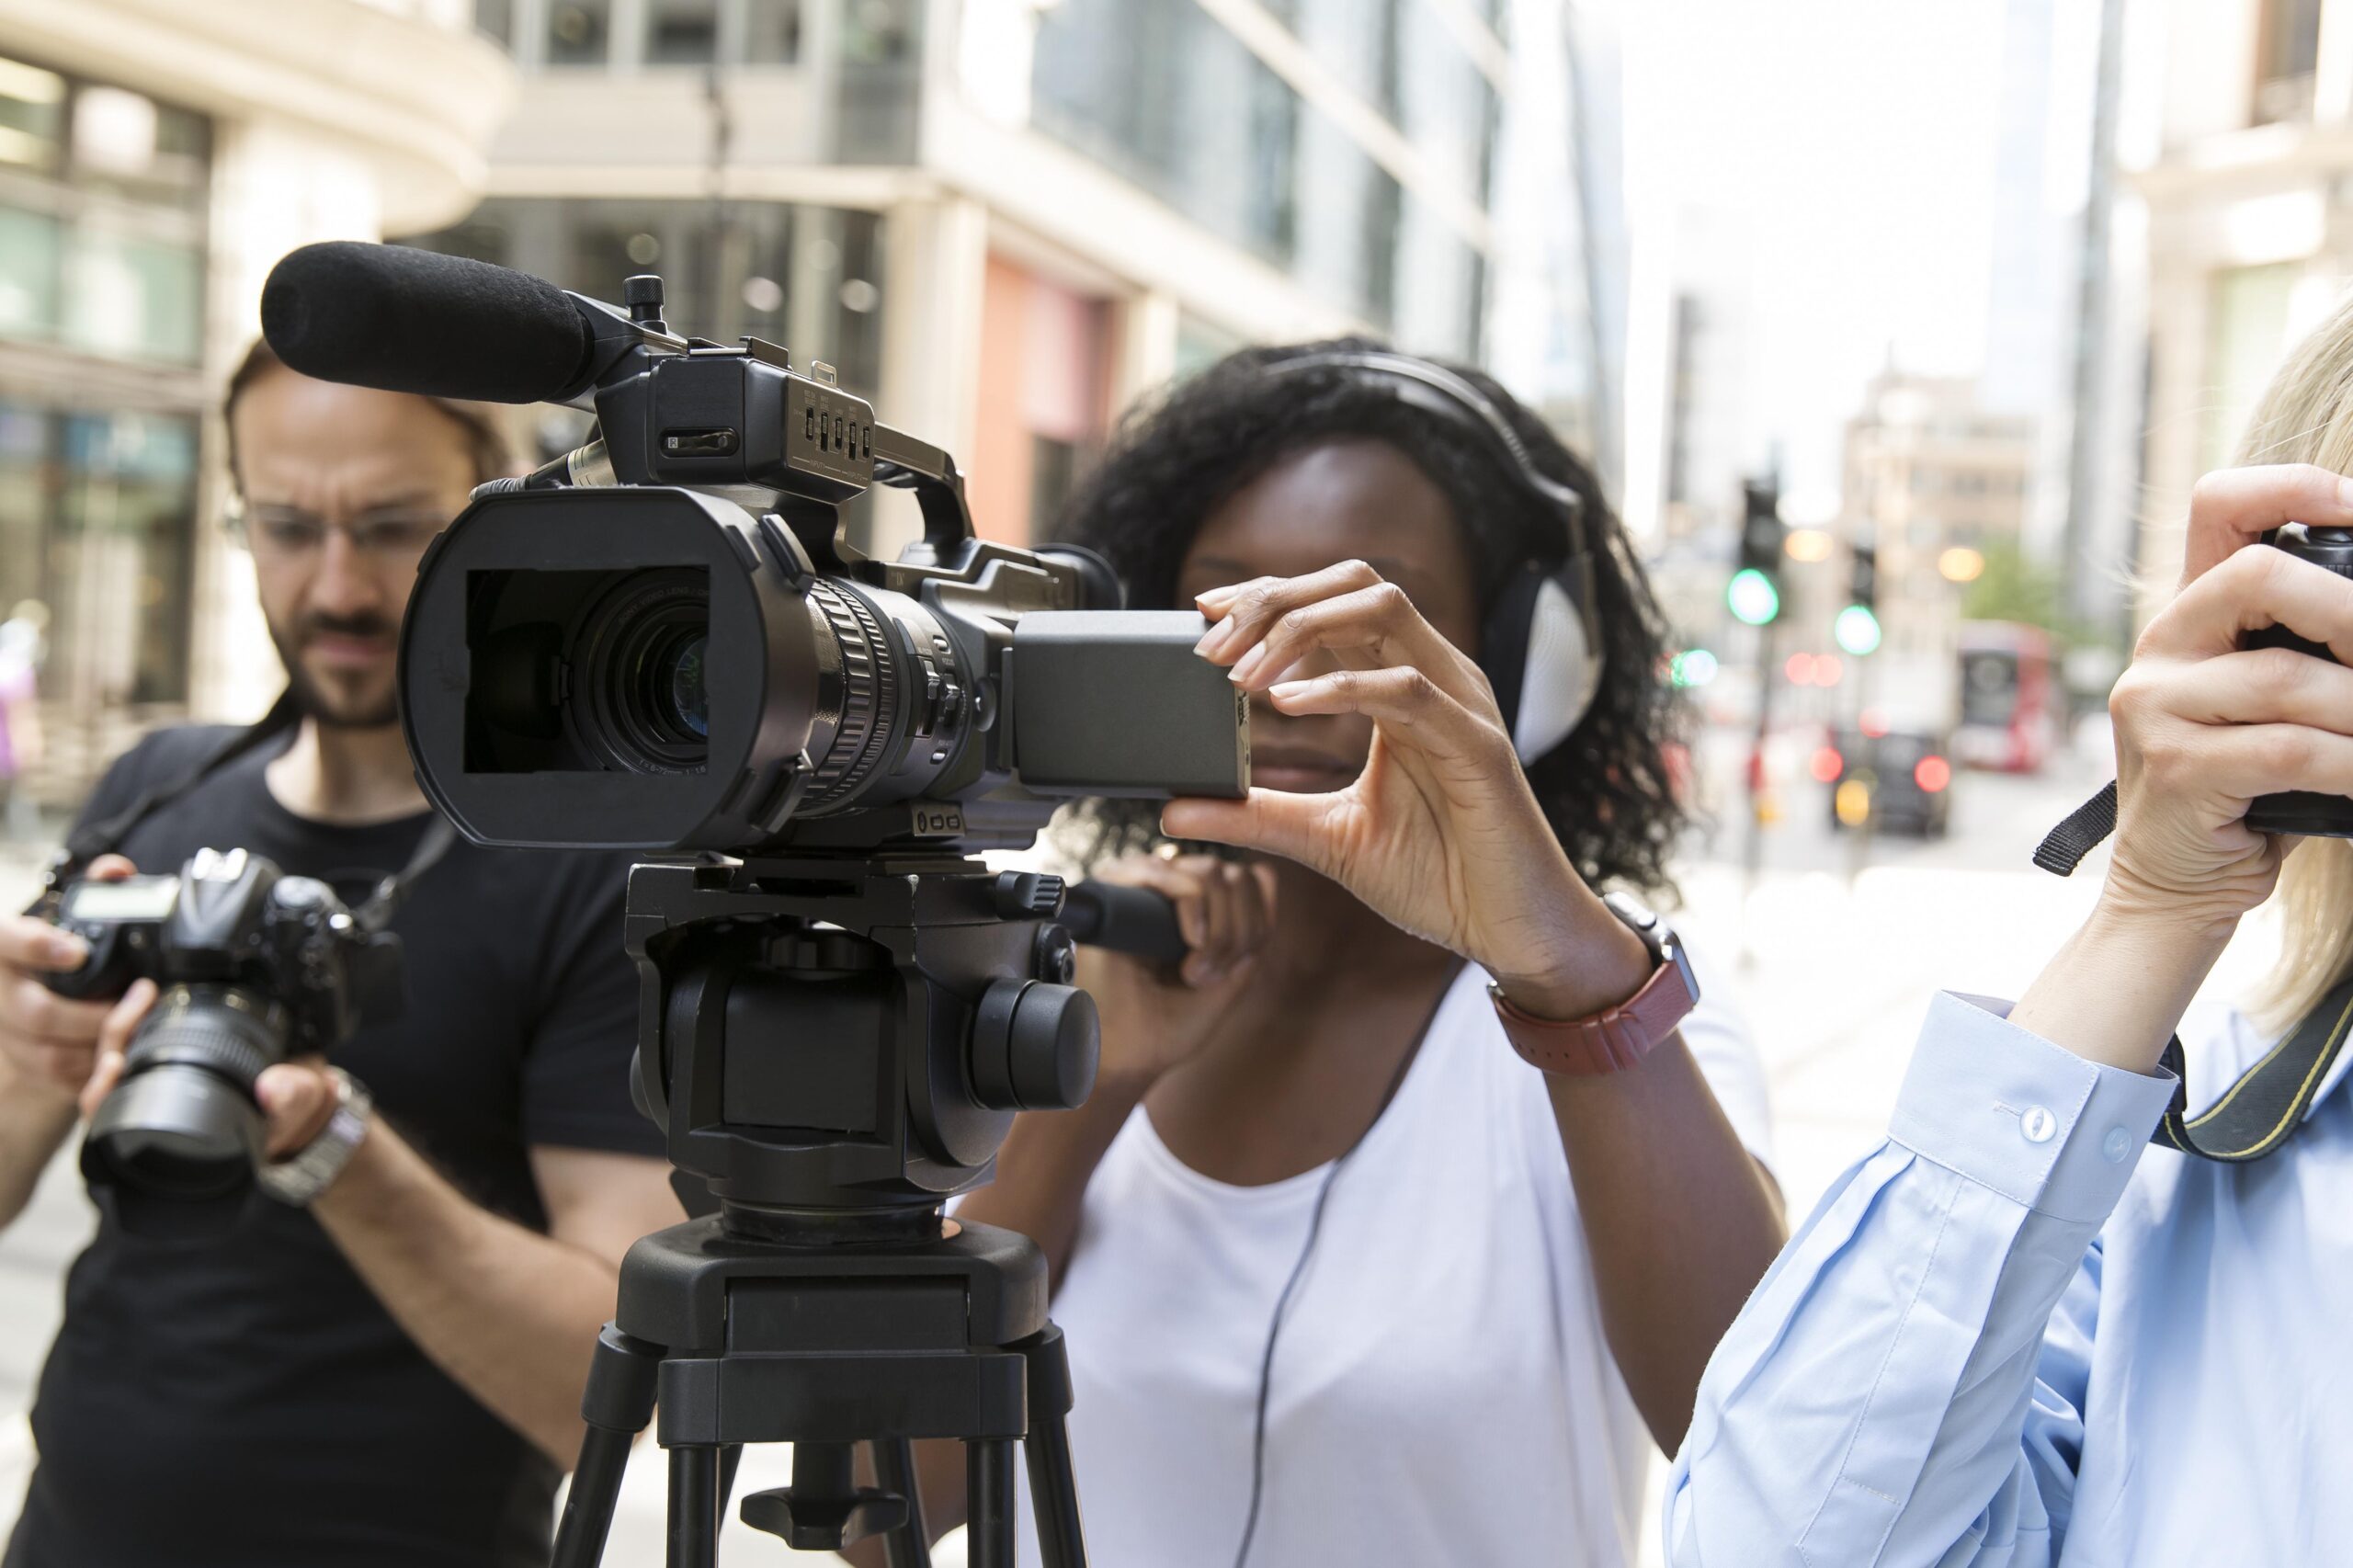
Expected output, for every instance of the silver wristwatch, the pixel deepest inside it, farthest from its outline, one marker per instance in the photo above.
(307, 1171)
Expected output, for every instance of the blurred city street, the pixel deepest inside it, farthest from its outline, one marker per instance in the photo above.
(1894, 387)
(1837, 971)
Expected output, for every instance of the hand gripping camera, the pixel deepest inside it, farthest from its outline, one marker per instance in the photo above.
(255, 968)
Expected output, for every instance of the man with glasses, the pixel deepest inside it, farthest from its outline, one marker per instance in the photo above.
(382, 1363)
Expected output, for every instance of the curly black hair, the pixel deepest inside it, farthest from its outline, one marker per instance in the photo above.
(1175, 459)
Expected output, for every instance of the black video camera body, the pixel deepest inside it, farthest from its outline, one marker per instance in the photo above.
(667, 642)
(255, 968)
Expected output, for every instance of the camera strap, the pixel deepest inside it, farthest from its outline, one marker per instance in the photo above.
(2064, 847)
(106, 835)
(2263, 1109)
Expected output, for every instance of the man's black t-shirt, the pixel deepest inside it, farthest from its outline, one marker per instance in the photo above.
(247, 1400)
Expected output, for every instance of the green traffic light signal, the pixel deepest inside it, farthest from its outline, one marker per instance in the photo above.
(1856, 629)
(1752, 597)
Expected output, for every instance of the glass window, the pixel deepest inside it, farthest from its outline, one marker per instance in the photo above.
(1161, 93)
(33, 103)
(2287, 54)
(127, 144)
(1445, 105)
(29, 255)
(681, 32)
(771, 32)
(1357, 41)
(1348, 214)
(2247, 332)
(133, 296)
(494, 20)
(880, 81)
(577, 31)
(98, 521)
(1438, 286)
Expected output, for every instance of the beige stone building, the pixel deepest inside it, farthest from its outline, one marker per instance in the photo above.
(1928, 470)
(2250, 221)
(155, 157)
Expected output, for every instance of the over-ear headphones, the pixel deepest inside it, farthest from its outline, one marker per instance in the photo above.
(1538, 643)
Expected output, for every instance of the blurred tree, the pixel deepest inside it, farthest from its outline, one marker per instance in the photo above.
(2014, 586)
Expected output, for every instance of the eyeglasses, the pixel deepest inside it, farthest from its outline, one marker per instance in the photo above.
(285, 533)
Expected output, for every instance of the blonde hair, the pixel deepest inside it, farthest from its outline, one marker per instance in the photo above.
(2305, 416)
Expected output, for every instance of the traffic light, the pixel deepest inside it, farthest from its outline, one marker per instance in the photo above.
(1754, 595)
(1856, 628)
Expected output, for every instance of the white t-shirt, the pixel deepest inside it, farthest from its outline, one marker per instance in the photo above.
(1441, 1393)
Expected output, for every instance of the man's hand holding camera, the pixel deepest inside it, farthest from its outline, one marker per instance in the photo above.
(297, 1099)
(1441, 833)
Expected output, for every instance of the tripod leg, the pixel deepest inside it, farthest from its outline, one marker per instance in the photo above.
(694, 1508)
(731, 1456)
(909, 1546)
(988, 1478)
(617, 1404)
(1054, 1489)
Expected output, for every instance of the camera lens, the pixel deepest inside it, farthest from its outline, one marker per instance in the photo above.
(689, 703)
(182, 1125)
(640, 694)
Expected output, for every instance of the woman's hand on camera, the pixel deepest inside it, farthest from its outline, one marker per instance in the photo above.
(50, 1040)
(1440, 831)
(1155, 1018)
(2204, 726)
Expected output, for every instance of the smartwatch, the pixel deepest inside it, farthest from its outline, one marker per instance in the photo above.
(1617, 1038)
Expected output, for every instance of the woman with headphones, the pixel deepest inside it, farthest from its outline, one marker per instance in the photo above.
(1405, 1214)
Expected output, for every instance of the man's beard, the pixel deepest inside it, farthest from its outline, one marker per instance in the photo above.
(317, 703)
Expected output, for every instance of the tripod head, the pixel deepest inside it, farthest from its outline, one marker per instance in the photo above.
(837, 1046)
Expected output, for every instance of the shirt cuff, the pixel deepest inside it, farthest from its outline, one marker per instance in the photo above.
(2029, 1119)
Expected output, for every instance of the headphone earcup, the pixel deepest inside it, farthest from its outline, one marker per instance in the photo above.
(1541, 657)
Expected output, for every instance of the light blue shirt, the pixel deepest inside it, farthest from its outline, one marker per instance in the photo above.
(2016, 1336)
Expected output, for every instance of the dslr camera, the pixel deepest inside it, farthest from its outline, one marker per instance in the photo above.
(254, 967)
(2303, 811)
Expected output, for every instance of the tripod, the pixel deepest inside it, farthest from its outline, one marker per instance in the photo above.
(755, 1342)
(827, 1302)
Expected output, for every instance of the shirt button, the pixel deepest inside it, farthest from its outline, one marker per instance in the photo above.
(2038, 1124)
(2116, 1145)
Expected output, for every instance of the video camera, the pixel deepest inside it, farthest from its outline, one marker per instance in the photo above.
(665, 640)
(255, 968)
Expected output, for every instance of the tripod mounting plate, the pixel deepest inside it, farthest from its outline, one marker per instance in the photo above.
(769, 1344)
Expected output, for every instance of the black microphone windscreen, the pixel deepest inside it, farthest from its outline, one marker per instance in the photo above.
(412, 321)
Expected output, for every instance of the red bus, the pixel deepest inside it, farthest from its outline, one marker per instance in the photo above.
(2008, 718)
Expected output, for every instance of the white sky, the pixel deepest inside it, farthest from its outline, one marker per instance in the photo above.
(1833, 161)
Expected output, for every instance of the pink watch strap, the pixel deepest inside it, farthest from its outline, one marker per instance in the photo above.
(1609, 1041)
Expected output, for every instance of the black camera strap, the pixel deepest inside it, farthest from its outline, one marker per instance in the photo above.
(2064, 847)
(105, 835)
(2263, 1109)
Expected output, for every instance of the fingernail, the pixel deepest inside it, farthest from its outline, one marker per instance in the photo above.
(67, 951)
(1284, 690)
(1244, 666)
(1214, 596)
(2345, 493)
(1214, 639)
